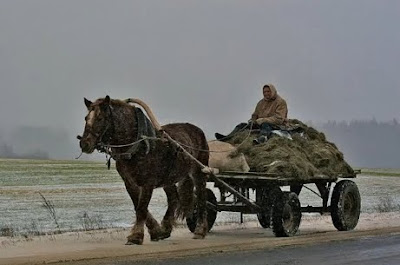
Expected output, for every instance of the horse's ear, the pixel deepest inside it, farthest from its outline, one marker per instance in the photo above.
(107, 100)
(87, 103)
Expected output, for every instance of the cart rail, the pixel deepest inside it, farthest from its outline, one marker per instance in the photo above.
(255, 179)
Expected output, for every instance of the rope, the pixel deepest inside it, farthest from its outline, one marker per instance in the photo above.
(130, 144)
(224, 151)
(204, 168)
(181, 144)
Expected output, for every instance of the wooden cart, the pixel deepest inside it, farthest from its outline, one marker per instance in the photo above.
(279, 209)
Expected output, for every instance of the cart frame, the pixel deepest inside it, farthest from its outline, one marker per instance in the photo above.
(281, 209)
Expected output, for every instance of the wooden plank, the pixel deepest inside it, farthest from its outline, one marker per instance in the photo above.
(254, 182)
(277, 178)
(238, 173)
(235, 207)
(245, 177)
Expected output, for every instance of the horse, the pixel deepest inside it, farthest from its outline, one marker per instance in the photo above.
(152, 162)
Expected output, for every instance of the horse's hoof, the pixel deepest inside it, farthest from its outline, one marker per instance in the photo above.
(134, 242)
(165, 235)
(160, 236)
(154, 238)
(198, 236)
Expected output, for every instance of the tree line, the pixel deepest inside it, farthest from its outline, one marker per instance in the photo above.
(366, 143)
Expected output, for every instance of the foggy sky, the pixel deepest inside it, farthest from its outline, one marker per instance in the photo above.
(198, 61)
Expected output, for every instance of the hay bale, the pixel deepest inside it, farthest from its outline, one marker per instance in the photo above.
(308, 155)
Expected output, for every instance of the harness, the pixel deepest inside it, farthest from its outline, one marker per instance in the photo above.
(145, 133)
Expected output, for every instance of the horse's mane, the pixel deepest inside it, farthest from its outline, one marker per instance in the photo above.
(114, 102)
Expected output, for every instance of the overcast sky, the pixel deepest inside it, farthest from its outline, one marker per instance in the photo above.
(198, 61)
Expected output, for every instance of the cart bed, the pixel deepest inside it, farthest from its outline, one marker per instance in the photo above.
(254, 179)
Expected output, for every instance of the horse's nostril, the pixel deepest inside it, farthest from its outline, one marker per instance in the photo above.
(86, 146)
(83, 144)
(79, 137)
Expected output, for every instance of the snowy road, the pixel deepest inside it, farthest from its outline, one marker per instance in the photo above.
(376, 240)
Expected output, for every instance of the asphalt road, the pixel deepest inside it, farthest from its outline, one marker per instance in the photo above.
(365, 251)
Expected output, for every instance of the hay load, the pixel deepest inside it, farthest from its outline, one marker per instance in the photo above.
(307, 155)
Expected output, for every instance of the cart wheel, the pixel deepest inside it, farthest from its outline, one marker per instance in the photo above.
(286, 215)
(265, 198)
(211, 213)
(345, 205)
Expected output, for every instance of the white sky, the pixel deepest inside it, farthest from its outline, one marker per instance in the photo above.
(198, 61)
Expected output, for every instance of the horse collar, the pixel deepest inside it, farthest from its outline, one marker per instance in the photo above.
(144, 129)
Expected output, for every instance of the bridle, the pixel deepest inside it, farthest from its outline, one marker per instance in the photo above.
(104, 137)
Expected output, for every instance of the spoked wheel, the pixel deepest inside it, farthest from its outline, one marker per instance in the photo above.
(286, 215)
(265, 198)
(211, 212)
(345, 205)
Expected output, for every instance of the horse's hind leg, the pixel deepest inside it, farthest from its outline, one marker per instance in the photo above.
(201, 200)
(137, 232)
(169, 217)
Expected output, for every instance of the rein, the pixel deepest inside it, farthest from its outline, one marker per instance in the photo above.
(184, 145)
(104, 147)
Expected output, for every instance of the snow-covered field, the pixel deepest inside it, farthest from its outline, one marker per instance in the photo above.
(87, 195)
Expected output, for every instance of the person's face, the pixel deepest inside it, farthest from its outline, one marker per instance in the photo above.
(267, 92)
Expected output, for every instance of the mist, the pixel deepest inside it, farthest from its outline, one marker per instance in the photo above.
(203, 62)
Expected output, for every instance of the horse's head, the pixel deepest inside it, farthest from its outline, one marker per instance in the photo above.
(98, 124)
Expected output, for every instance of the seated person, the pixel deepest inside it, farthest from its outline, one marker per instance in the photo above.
(270, 113)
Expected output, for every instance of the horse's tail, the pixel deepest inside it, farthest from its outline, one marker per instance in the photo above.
(186, 198)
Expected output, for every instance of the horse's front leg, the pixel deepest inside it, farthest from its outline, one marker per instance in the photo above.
(169, 217)
(137, 232)
(154, 228)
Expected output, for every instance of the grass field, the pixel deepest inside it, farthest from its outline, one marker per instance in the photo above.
(387, 172)
(20, 172)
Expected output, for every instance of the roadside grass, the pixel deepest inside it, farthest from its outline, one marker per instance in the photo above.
(93, 222)
(7, 231)
(88, 222)
(387, 204)
(11, 231)
(49, 205)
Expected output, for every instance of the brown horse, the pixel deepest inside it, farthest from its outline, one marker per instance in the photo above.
(112, 124)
